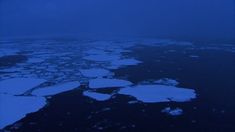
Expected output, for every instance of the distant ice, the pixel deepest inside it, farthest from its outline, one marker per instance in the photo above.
(35, 60)
(97, 96)
(102, 57)
(14, 108)
(125, 62)
(7, 52)
(159, 93)
(167, 81)
(18, 86)
(194, 56)
(95, 52)
(94, 72)
(53, 90)
(107, 83)
(173, 112)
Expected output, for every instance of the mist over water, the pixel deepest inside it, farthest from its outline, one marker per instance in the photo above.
(184, 19)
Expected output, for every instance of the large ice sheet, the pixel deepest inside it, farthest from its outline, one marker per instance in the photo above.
(94, 72)
(107, 83)
(17, 86)
(14, 108)
(97, 96)
(53, 90)
(159, 93)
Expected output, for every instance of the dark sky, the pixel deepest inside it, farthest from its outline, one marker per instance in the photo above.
(197, 19)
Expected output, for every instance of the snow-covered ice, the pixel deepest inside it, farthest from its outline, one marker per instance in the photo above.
(53, 90)
(172, 112)
(94, 72)
(14, 108)
(107, 83)
(16, 86)
(159, 93)
(97, 96)
(102, 57)
(125, 62)
(167, 81)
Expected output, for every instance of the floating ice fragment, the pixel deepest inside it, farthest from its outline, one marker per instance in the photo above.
(17, 86)
(159, 93)
(95, 52)
(173, 112)
(107, 83)
(35, 60)
(167, 81)
(6, 52)
(194, 56)
(95, 72)
(102, 57)
(125, 62)
(53, 90)
(97, 96)
(14, 108)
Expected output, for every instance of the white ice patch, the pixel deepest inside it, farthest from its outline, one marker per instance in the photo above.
(97, 96)
(18, 86)
(95, 52)
(159, 93)
(172, 112)
(53, 90)
(125, 62)
(14, 108)
(107, 83)
(102, 57)
(95, 72)
(167, 81)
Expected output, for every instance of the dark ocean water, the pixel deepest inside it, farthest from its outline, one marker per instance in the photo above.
(210, 71)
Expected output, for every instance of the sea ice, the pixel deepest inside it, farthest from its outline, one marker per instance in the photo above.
(94, 72)
(125, 62)
(35, 60)
(53, 90)
(106, 83)
(97, 96)
(6, 52)
(18, 86)
(159, 93)
(167, 81)
(102, 57)
(14, 108)
(173, 112)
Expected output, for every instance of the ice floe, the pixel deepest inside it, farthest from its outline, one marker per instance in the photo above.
(125, 62)
(56, 89)
(16, 86)
(14, 108)
(7, 52)
(94, 72)
(172, 112)
(97, 96)
(107, 83)
(159, 93)
(167, 81)
(102, 57)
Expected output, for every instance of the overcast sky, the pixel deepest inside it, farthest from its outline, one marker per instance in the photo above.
(198, 19)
